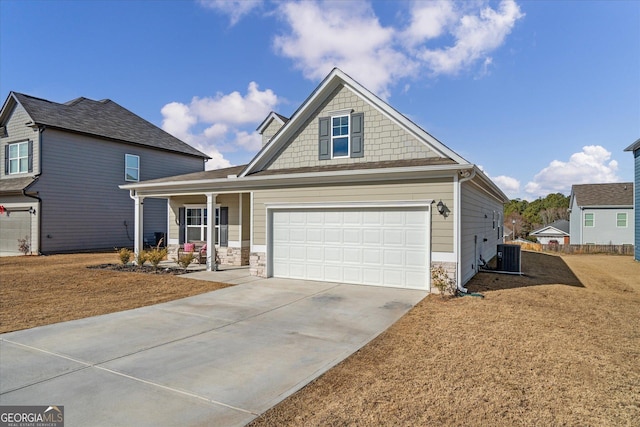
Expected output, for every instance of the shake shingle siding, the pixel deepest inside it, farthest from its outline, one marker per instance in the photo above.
(74, 218)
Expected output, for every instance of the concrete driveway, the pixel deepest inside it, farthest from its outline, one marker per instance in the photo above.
(220, 358)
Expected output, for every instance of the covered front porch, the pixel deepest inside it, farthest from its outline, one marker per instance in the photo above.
(217, 222)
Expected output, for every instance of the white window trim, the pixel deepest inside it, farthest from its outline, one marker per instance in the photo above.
(19, 157)
(348, 136)
(202, 226)
(585, 219)
(126, 156)
(626, 220)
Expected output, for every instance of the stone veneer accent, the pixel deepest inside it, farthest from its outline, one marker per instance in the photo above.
(258, 264)
(450, 267)
(228, 256)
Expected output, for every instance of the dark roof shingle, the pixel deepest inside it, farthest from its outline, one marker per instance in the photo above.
(614, 194)
(103, 119)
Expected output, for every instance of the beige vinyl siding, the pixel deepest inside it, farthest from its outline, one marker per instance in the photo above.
(478, 210)
(383, 139)
(232, 201)
(437, 189)
(246, 216)
(18, 132)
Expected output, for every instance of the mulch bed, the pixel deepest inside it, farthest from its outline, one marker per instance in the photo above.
(130, 268)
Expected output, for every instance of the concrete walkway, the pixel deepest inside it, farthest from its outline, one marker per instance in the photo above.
(216, 359)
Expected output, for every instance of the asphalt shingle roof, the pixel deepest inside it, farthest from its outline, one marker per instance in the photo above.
(104, 119)
(561, 224)
(614, 194)
(15, 185)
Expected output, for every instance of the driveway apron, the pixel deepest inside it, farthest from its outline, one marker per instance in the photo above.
(220, 358)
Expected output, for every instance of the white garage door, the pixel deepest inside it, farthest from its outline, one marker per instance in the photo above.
(13, 226)
(382, 246)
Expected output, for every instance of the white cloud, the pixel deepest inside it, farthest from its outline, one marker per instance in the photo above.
(236, 9)
(429, 20)
(476, 35)
(591, 165)
(347, 35)
(225, 122)
(509, 185)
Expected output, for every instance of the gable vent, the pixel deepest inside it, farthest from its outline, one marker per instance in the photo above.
(3, 131)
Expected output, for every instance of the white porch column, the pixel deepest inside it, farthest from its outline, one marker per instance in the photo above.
(138, 236)
(211, 227)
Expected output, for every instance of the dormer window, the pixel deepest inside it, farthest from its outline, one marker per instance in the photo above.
(341, 135)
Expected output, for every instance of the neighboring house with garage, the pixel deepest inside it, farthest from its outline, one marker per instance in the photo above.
(345, 190)
(557, 231)
(602, 214)
(61, 168)
(635, 149)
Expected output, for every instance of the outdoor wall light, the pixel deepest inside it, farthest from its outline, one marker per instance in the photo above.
(441, 207)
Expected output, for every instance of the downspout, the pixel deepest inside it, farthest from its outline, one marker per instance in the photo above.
(24, 193)
(41, 130)
(459, 286)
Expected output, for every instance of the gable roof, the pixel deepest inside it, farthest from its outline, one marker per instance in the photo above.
(613, 194)
(633, 147)
(271, 117)
(560, 226)
(104, 119)
(336, 78)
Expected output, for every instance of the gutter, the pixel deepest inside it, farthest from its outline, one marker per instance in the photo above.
(251, 182)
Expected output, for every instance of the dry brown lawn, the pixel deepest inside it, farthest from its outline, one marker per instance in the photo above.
(559, 346)
(39, 290)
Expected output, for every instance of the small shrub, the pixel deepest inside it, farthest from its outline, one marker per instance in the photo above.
(141, 257)
(24, 246)
(156, 255)
(125, 255)
(185, 259)
(441, 280)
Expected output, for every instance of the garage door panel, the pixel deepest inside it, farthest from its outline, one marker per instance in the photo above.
(393, 277)
(333, 255)
(372, 256)
(314, 254)
(381, 246)
(415, 279)
(393, 237)
(352, 255)
(415, 259)
(393, 258)
(352, 275)
(333, 236)
(415, 238)
(314, 236)
(371, 236)
(351, 236)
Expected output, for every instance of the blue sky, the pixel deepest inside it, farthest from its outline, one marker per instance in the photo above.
(540, 94)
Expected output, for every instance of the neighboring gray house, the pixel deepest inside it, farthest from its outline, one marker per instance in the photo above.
(62, 165)
(556, 231)
(635, 149)
(347, 190)
(602, 214)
